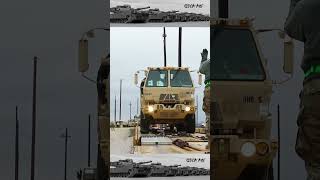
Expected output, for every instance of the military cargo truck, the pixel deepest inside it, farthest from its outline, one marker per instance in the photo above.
(167, 97)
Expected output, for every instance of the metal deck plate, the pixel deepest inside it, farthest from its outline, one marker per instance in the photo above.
(155, 140)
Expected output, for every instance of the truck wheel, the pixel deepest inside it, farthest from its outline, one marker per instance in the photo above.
(102, 170)
(270, 174)
(257, 173)
(190, 124)
(144, 124)
(180, 127)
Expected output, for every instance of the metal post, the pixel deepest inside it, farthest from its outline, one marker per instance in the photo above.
(223, 8)
(115, 110)
(120, 99)
(179, 49)
(130, 109)
(164, 46)
(89, 140)
(17, 147)
(33, 143)
(137, 106)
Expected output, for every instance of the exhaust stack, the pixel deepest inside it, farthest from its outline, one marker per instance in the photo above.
(164, 47)
(179, 48)
(223, 9)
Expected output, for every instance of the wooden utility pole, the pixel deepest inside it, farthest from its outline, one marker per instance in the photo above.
(130, 109)
(17, 147)
(89, 140)
(33, 143)
(115, 110)
(66, 137)
(120, 99)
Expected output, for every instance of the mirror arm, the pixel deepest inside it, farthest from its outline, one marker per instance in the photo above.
(88, 78)
(274, 82)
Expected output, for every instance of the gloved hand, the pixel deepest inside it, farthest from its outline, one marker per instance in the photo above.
(204, 55)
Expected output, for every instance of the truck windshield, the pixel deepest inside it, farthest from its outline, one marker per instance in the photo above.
(234, 55)
(180, 78)
(157, 78)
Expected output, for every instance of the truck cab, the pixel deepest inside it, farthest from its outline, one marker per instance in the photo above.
(241, 91)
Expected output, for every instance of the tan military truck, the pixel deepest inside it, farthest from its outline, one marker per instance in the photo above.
(241, 90)
(167, 97)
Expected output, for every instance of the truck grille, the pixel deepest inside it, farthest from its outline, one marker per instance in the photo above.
(169, 98)
(168, 114)
(248, 99)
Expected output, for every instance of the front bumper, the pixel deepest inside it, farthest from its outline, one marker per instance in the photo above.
(228, 160)
(161, 112)
(228, 148)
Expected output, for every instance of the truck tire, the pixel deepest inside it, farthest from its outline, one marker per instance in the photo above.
(270, 174)
(102, 169)
(180, 127)
(257, 173)
(144, 124)
(190, 123)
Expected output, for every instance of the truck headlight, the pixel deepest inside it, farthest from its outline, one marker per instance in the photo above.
(262, 148)
(187, 108)
(150, 109)
(248, 149)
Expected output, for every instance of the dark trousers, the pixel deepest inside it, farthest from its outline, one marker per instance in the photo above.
(308, 137)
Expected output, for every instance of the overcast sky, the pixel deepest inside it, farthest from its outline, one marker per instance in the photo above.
(134, 49)
(167, 5)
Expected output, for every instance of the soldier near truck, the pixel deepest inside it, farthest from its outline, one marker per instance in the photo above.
(301, 25)
(205, 69)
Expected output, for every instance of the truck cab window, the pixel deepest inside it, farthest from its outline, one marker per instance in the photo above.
(180, 78)
(157, 78)
(235, 55)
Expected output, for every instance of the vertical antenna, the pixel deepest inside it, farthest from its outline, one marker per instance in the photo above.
(179, 48)
(164, 46)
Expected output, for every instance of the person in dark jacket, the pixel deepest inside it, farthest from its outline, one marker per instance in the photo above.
(205, 69)
(303, 25)
(103, 75)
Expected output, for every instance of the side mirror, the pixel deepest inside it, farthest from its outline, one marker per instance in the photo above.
(288, 57)
(136, 78)
(200, 79)
(83, 55)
